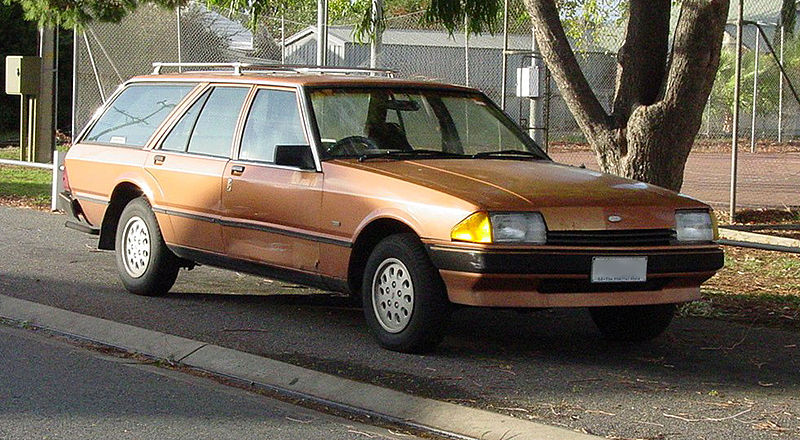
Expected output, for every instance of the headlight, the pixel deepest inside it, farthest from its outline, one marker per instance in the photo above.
(694, 226)
(502, 227)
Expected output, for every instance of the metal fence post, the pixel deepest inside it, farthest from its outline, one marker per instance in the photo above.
(780, 90)
(755, 93)
(504, 73)
(58, 183)
(75, 61)
(736, 96)
(376, 45)
(178, 29)
(466, 51)
(322, 32)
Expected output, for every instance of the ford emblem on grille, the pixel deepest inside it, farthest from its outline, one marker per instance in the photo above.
(614, 218)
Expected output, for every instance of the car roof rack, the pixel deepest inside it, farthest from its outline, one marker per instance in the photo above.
(238, 68)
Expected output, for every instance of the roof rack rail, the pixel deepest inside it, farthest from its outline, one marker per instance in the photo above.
(237, 68)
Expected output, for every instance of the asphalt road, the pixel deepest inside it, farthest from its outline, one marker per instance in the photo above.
(704, 379)
(50, 389)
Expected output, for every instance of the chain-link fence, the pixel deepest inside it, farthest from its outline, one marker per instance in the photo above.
(107, 54)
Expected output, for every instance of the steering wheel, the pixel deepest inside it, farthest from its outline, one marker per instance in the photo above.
(352, 146)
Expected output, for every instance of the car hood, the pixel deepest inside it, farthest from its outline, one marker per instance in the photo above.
(569, 197)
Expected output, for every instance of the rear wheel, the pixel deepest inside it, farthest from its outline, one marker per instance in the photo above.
(633, 323)
(144, 263)
(404, 298)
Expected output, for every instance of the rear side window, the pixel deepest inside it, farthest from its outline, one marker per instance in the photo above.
(136, 113)
(208, 126)
(178, 138)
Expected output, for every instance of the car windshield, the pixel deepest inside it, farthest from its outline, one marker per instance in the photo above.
(414, 123)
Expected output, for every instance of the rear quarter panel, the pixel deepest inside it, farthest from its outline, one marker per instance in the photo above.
(96, 170)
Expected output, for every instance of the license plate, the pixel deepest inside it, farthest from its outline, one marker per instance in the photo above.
(619, 269)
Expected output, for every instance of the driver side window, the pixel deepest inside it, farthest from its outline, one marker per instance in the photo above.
(273, 120)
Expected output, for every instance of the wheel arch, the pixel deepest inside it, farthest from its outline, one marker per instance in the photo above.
(123, 193)
(369, 236)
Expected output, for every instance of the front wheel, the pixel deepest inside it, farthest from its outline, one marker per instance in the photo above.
(405, 300)
(144, 263)
(633, 323)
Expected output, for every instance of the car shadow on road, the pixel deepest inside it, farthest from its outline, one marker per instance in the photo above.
(554, 347)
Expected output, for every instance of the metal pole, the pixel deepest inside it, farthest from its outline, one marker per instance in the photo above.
(178, 26)
(736, 96)
(283, 38)
(322, 32)
(73, 125)
(376, 46)
(537, 123)
(755, 94)
(94, 68)
(504, 73)
(708, 117)
(780, 90)
(466, 51)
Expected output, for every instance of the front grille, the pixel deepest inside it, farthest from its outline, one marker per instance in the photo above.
(625, 238)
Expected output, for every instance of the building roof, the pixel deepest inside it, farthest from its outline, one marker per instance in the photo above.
(238, 36)
(341, 35)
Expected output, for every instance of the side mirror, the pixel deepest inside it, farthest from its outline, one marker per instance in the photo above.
(298, 156)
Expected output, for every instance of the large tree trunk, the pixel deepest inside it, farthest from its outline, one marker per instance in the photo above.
(657, 112)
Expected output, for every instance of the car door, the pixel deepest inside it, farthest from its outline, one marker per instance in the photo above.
(271, 211)
(188, 166)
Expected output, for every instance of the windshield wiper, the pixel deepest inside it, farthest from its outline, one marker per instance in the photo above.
(522, 154)
(411, 154)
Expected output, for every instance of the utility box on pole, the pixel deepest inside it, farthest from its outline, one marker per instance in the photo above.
(23, 77)
(528, 82)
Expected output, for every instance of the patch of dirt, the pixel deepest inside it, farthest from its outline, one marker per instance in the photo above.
(754, 271)
(25, 202)
(755, 286)
(767, 216)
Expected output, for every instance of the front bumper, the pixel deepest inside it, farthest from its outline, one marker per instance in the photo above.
(560, 277)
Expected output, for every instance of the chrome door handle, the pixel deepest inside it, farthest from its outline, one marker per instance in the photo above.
(237, 170)
(158, 159)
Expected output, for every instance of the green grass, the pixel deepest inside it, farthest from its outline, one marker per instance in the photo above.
(23, 185)
(9, 153)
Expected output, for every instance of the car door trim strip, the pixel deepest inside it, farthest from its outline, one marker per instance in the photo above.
(255, 227)
(91, 199)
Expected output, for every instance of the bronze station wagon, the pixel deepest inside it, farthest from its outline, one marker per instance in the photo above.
(416, 196)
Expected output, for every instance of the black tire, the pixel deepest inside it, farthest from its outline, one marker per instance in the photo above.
(633, 323)
(414, 326)
(153, 268)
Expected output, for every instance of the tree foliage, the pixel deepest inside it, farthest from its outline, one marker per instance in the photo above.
(721, 101)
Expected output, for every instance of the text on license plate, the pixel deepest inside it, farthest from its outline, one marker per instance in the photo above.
(619, 269)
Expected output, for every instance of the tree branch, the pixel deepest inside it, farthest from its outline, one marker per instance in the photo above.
(557, 53)
(698, 43)
(642, 59)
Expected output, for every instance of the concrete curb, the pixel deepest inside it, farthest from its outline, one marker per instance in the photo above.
(353, 397)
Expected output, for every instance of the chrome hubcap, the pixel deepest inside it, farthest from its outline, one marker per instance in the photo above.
(392, 295)
(136, 247)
